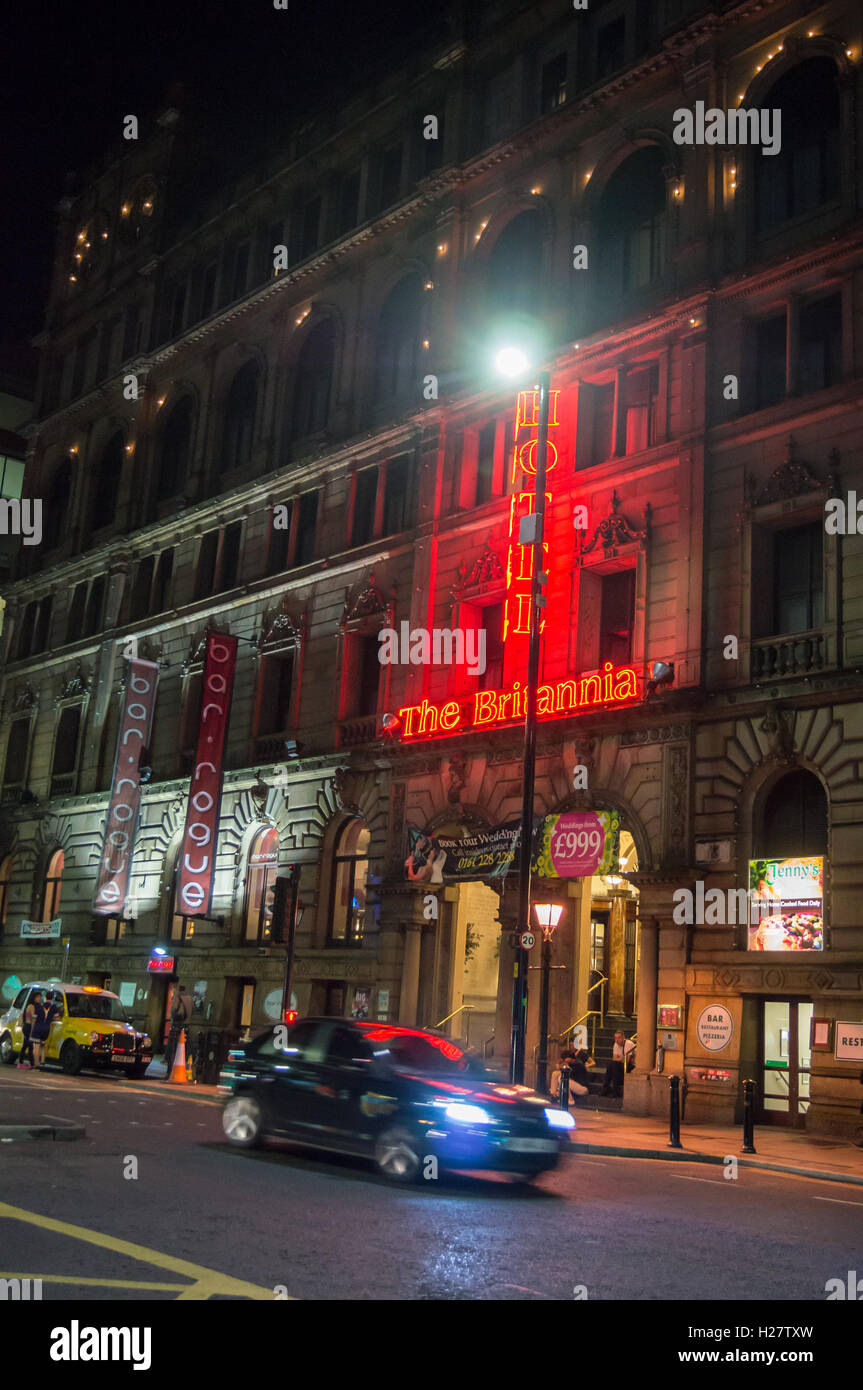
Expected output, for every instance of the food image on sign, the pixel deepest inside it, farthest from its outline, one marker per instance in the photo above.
(576, 844)
(786, 904)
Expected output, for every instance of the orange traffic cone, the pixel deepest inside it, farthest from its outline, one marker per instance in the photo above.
(178, 1070)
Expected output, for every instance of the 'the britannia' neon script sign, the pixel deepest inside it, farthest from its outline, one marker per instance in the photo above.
(486, 709)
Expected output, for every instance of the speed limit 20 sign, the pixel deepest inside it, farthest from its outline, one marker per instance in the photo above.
(528, 940)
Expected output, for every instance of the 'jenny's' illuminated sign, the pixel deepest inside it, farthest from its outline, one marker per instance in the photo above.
(487, 709)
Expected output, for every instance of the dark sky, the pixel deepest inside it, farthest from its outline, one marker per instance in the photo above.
(72, 71)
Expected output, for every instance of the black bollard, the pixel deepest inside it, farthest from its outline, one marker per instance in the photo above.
(748, 1117)
(674, 1114)
(563, 1097)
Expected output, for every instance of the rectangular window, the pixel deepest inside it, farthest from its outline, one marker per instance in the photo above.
(130, 332)
(603, 423)
(139, 600)
(280, 536)
(398, 499)
(821, 343)
(349, 202)
(274, 710)
(230, 566)
(770, 337)
(26, 629)
(178, 310)
(240, 271)
(307, 522)
(798, 583)
(275, 237)
(491, 622)
(310, 228)
(617, 611)
(365, 497)
(642, 388)
(553, 84)
(205, 575)
(162, 585)
(361, 673)
(500, 105)
(43, 625)
(208, 290)
(66, 750)
(77, 608)
(485, 463)
(391, 176)
(95, 606)
(16, 753)
(610, 48)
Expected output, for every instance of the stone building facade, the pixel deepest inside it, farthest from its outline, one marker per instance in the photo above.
(273, 414)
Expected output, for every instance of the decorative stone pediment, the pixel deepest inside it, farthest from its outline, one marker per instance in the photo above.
(793, 478)
(368, 602)
(76, 687)
(614, 531)
(196, 654)
(25, 699)
(487, 572)
(279, 629)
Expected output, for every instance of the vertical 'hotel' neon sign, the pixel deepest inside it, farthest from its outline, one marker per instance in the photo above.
(519, 562)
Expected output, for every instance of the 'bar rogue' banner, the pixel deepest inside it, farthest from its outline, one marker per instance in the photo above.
(124, 807)
(198, 850)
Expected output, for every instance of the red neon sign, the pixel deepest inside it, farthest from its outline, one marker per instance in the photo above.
(487, 709)
(519, 560)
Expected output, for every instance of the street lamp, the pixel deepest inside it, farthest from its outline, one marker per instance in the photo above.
(287, 915)
(512, 361)
(547, 915)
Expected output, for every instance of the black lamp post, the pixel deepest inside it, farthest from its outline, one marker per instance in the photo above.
(548, 915)
(286, 918)
(530, 533)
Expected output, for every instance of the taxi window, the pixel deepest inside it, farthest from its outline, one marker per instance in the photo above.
(348, 1048)
(18, 1001)
(298, 1045)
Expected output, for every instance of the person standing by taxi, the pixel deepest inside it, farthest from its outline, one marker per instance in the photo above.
(28, 1018)
(44, 1016)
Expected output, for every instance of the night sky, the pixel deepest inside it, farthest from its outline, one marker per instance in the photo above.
(71, 72)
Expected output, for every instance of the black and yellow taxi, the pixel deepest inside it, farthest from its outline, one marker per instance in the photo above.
(409, 1099)
(91, 1029)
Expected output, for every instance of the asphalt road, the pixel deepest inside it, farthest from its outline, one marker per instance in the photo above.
(199, 1217)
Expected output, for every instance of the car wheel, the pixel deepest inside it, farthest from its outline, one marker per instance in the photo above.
(7, 1051)
(397, 1156)
(70, 1058)
(242, 1121)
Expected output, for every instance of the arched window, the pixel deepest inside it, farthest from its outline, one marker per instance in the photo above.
(53, 884)
(5, 887)
(794, 819)
(239, 426)
(399, 341)
(632, 223)
(805, 173)
(260, 883)
(514, 275)
(350, 872)
(174, 450)
(57, 505)
(106, 483)
(314, 380)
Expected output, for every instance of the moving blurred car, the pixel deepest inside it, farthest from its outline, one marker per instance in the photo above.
(91, 1030)
(400, 1096)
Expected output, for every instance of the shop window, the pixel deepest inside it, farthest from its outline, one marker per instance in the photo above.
(350, 873)
(553, 84)
(52, 887)
(365, 499)
(64, 766)
(260, 885)
(17, 750)
(820, 340)
(770, 361)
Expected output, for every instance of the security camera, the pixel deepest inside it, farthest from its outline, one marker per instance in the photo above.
(661, 673)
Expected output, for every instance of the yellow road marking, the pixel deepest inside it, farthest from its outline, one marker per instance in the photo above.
(211, 1280)
(101, 1283)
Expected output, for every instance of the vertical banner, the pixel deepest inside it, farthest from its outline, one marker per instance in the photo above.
(121, 824)
(198, 850)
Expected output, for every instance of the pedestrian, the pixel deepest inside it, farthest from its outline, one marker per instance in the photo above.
(182, 1008)
(44, 1015)
(621, 1052)
(578, 1072)
(554, 1085)
(27, 1021)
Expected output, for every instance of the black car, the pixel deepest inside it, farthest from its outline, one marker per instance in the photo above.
(411, 1100)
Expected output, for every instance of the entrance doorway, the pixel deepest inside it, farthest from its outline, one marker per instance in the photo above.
(785, 1061)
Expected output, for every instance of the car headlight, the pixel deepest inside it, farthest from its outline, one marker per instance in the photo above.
(467, 1114)
(559, 1119)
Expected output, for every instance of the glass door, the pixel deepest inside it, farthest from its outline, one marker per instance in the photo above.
(786, 1061)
